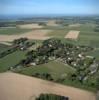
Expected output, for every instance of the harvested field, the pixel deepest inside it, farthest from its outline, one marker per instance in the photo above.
(74, 25)
(72, 35)
(35, 34)
(29, 26)
(52, 23)
(19, 87)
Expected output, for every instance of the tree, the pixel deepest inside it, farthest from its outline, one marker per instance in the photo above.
(18, 41)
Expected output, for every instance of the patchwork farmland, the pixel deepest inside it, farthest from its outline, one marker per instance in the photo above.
(58, 50)
(36, 34)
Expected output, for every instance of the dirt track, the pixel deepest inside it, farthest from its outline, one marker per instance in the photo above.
(72, 34)
(35, 34)
(19, 87)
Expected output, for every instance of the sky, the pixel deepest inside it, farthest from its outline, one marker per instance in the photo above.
(37, 7)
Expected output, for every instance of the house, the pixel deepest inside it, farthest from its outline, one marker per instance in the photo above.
(33, 64)
(93, 68)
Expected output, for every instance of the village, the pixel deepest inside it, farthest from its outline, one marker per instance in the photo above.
(75, 56)
(54, 49)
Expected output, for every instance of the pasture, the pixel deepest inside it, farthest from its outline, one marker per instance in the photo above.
(11, 60)
(55, 68)
(3, 47)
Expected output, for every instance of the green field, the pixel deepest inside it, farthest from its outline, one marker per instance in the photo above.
(56, 69)
(12, 31)
(3, 47)
(11, 60)
(58, 33)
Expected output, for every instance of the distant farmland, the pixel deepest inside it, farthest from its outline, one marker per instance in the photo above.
(35, 34)
(29, 26)
(13, 31)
